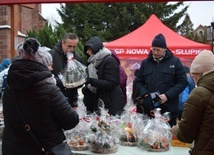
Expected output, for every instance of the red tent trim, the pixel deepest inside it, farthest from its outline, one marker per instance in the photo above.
(6, 2)
(137, 44)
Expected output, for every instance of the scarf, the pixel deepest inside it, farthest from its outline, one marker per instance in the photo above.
(94, 61)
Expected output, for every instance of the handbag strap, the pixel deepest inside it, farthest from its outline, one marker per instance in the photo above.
(26, 125)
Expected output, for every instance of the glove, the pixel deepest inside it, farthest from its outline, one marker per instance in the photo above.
(147, 104)
(88, 81)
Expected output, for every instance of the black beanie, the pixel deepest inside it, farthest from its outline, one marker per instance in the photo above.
(159, 41)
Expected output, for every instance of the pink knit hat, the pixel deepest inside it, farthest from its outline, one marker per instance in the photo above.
(203, 62)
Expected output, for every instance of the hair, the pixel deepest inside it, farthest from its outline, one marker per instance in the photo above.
(71, 36)
(31, 46)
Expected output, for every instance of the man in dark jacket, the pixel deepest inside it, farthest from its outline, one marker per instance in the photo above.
(59, 54)
(162, 74)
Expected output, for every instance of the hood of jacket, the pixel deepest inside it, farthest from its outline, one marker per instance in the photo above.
(94, 43)
(206, 81)
(23, 74)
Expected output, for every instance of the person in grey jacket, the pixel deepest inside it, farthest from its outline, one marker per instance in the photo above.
(32, 87)
(161, 74)
(59, 53)
(104, 77)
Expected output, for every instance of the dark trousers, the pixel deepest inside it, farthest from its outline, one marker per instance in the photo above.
(90, 100)
(72, 96)
(173, 121)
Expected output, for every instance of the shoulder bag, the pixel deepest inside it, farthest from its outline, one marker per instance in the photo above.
(61, 149)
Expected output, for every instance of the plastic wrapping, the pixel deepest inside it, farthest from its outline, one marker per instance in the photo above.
(101, 138)
(156, 135)
(74, 74)
(132, 125)
(76, 136)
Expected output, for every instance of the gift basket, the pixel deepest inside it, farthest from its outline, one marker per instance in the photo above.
(132, 124)
(74, 74)
(101, 139)
(76, 136)
(156, 136)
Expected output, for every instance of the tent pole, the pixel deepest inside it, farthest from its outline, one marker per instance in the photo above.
(212, 30)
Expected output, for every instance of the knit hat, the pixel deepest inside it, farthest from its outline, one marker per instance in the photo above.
(203, 62)
(32, 50)
(159, 41)
(94, 43)
(42, 56)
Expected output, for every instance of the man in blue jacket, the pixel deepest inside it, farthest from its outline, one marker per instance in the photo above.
(162, 75)
(185, 94)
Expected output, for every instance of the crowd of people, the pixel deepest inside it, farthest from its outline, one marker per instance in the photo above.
(35, 87)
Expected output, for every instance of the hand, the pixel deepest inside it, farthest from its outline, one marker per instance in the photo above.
(147, 104)
(163, 98)
(88, 81)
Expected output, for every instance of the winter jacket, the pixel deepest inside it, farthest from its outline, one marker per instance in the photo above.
(59, 64)
(166, 77)
(108, 88)
(5, 63)
(43, 106)
(184, 95)
(197, 119)
(60, 60)
(108, 81)
(123, 75)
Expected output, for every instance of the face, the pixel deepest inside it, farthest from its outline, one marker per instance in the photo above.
(196, 77)
(158, 52)
(69, 45)
(89, 52)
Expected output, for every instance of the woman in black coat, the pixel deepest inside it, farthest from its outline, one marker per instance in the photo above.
(104, 76)
(41, 102)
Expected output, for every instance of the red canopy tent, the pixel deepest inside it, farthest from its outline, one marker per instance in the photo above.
(136, 45)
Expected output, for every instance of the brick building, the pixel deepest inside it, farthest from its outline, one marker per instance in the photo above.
(28, 17)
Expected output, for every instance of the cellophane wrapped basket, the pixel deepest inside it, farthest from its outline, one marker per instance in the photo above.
(132, 125)
(76, 136)
(156, 136)
(101, 138)
(74, 74)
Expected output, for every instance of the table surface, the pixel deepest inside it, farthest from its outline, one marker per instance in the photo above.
(127, 150)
